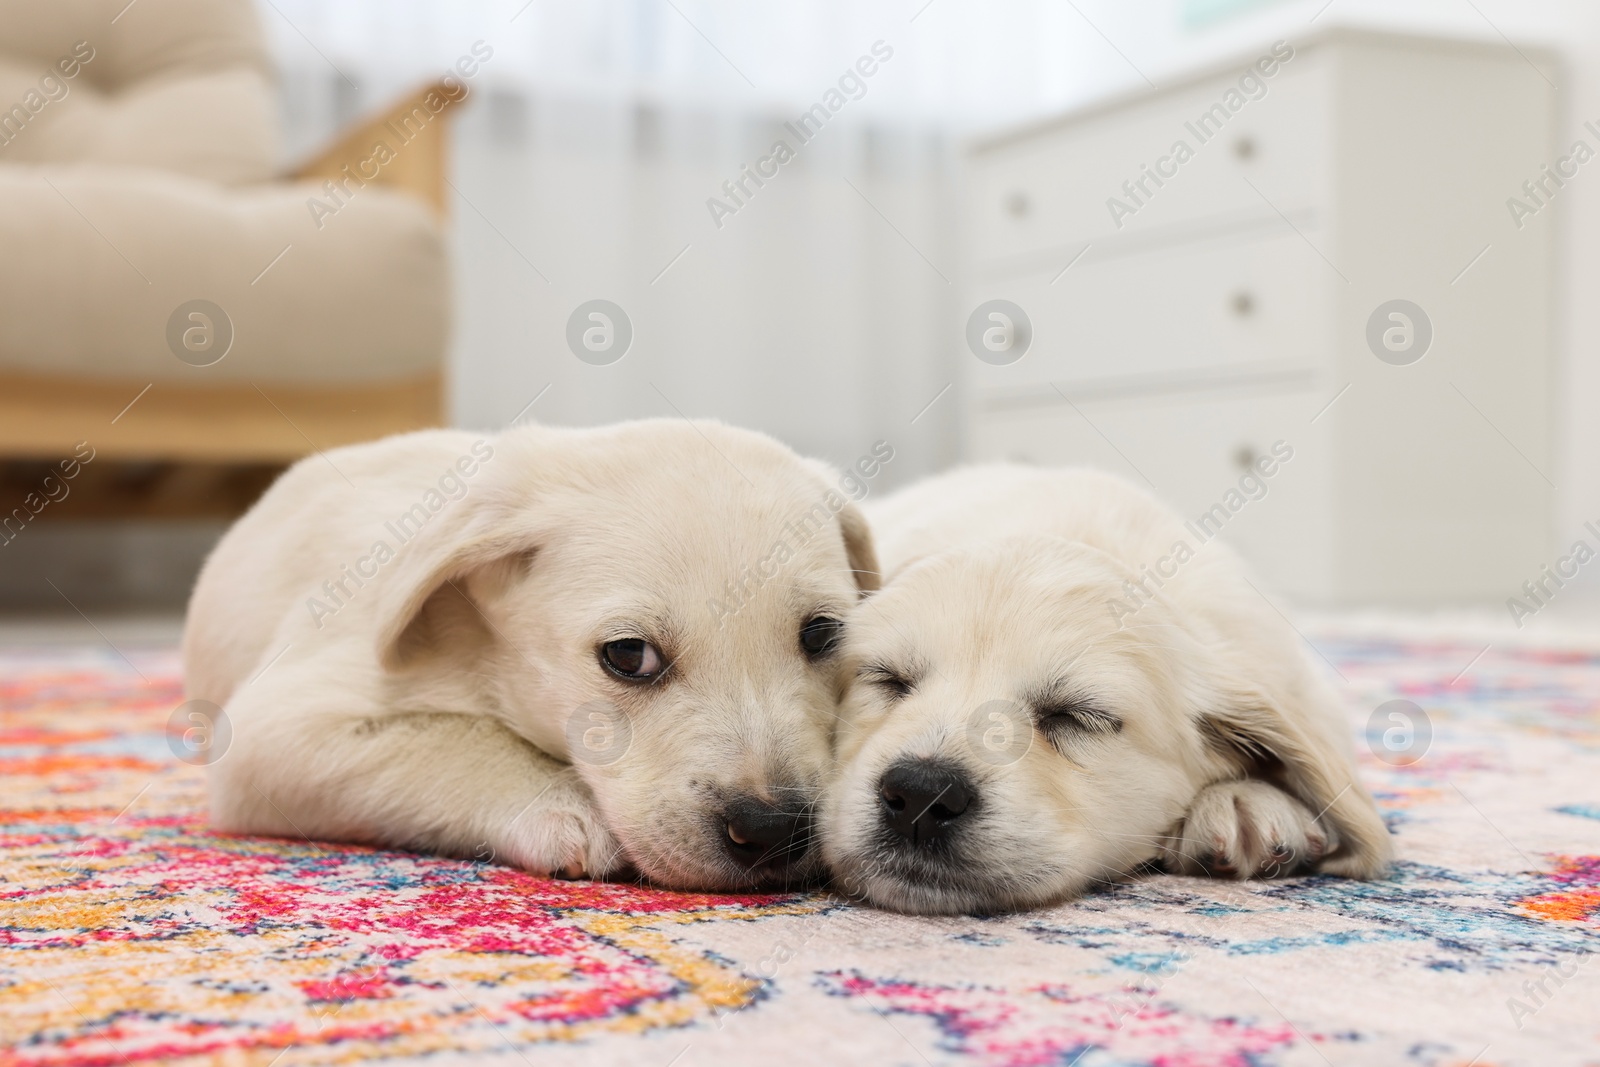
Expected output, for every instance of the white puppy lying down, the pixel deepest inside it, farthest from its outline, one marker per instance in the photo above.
(502, 647)
(1022, 724)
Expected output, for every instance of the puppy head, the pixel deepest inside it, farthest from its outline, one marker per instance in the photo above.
(1006, 744)
(661, 604)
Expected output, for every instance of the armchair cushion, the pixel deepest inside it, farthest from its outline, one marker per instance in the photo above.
(179, 85)
(138, 145)
(364, 297)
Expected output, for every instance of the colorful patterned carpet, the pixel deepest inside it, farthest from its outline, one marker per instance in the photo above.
(131, 935)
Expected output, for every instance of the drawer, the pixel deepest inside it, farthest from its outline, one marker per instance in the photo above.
(1191, 450)
(1035, 200)
(1260, 304)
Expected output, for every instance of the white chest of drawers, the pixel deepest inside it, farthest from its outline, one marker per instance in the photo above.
(1226, 307)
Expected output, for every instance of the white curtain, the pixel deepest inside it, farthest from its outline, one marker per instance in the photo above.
(821, 311)
(805, 314)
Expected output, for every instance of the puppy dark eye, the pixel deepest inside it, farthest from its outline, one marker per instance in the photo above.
(820, 635)
(632, 658)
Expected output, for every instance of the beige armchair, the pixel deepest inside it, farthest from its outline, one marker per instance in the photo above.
(170, 297)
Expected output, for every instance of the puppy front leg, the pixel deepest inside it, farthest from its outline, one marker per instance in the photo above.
(1247, 829)
(460, 785)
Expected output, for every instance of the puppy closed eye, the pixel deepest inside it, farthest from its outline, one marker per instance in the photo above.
(886, 680)
(1065, 725)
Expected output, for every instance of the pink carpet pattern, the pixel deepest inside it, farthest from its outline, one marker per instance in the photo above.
(131, 934)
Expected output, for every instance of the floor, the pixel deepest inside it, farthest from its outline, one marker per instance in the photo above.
(118, 629)
(132, 933)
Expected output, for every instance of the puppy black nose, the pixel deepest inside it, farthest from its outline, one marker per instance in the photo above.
(759, 834)
(923, 799)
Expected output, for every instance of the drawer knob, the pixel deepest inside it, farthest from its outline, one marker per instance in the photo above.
(1017, 204)
(1245, 148)
(1245, 456)
(1243, 304)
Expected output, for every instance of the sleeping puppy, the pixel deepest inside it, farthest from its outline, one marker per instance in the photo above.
(1026, 721)
(503, 648)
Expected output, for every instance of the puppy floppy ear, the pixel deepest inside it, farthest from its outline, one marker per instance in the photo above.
(858, 549)
(440, 587)
(1285, 741)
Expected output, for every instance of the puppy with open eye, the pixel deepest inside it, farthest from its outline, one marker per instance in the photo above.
(506, 648)
(1025, 723)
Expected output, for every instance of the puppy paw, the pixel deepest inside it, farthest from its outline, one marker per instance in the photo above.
(560, 834)
(1248, 829)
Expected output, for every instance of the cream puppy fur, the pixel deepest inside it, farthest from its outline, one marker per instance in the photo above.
(531, 671)
(1021, 728)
